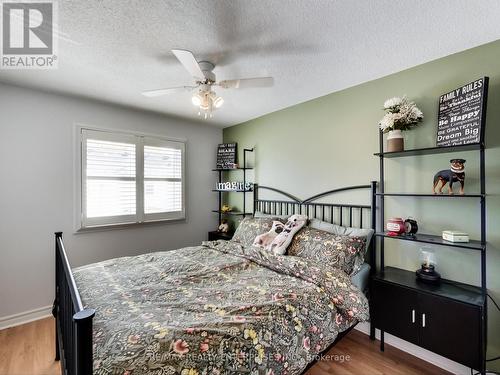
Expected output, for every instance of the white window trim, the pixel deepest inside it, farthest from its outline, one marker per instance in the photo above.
(126, 220)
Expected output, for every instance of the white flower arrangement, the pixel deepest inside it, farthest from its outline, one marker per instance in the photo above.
(401, 114)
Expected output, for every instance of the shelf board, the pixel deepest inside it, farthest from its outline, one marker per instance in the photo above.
(235, 213)
(436, 240)
(231, 169)
(232, 191)
(431, 195)
(430, 151)
(449, 289)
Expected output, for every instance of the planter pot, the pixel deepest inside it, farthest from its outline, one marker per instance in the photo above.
(395, 141)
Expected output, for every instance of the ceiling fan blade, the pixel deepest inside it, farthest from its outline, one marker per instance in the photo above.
(187, 59)
(170, 90)
(247, 83)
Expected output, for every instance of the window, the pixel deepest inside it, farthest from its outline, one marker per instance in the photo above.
(128, 178)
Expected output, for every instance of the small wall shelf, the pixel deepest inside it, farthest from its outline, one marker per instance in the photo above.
(232, 191)
(423, 195)
(436, 240)
(430, 151)
(235, 213)
(231, 169)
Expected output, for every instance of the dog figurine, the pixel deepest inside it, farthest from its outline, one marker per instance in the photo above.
(224, 226)
(448, 176)
(265, 239)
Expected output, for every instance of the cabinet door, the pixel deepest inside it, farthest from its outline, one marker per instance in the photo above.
(394, 310)
(451, 329)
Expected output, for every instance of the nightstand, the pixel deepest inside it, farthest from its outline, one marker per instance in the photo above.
(215, 235)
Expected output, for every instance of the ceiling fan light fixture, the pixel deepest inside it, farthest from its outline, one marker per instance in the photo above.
(207, 101)
(197, 99)
(218, 102)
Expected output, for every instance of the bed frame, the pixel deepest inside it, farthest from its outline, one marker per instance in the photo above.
(73, 322)
(335, 213)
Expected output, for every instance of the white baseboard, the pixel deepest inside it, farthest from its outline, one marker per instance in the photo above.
(423, 354)
(25, 317)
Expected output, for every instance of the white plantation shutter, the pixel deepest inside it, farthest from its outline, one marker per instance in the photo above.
(130, 179)
(163, 179)
(110, 178)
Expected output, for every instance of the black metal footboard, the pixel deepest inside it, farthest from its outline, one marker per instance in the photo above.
(73, 322)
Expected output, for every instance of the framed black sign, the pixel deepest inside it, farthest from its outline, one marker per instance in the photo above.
(462, 114)
(226, 156)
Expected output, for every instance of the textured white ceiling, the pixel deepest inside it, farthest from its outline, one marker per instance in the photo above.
(312, 47)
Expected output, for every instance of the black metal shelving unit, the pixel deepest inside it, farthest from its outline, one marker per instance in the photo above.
(474, 245)
(220, 171)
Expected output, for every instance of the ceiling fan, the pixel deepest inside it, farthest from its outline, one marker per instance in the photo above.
(202, 72)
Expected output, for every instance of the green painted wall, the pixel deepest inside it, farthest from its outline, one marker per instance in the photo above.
(329, 142)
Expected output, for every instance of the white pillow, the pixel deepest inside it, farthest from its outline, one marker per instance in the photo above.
(260, 214)
(345, 231)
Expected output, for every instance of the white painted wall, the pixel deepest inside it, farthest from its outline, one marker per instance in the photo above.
(36, 190)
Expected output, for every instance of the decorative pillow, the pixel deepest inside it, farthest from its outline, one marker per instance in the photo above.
(346, 231)
(281, 242)
(265, 239)
(336, 250)
(251, 227)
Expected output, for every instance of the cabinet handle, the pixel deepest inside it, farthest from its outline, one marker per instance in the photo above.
(423, 320)
(413, 316)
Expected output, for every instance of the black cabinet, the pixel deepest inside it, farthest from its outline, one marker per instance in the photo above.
(216, 235)
(445, 319)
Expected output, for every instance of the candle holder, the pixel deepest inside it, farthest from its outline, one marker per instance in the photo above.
(427, 272)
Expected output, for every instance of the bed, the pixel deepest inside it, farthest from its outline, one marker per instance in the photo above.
(218, 308)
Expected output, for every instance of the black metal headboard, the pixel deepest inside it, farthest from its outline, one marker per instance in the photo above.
(336, 213)
(347, 214)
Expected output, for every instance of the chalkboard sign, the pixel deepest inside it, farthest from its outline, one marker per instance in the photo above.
(462, 114)
(226, 156)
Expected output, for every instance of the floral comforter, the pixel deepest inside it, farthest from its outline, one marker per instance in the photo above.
(219, 308)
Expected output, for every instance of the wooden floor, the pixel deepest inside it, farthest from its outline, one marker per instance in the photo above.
(29, 350)
(365, 358)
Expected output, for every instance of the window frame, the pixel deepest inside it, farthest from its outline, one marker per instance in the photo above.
(82, 223)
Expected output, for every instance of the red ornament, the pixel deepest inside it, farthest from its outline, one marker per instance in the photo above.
(396, 225)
